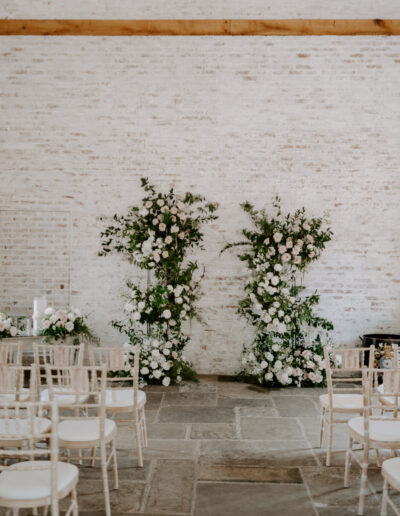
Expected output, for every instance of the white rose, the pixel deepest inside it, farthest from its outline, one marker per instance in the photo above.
(278, 365)
(166, 352)
(160, 202)
(266, 241)
(172, 322)
(69, 326)
(297, 260)
(166, 381)
(153, 364)
(166, 314)
(267, 318)
(162, 227)
(13, 331)
(268, 376)
(174, 211)
(46, 324)
(289, 243)
(137, 316)
(264, 364)
(275, 347)
(178, 290)
(278, 237)
(149, 204)
(282, 249)
(141, 305)
(278, 267)
(285, 257)
(281, 313)
(168, 240)
(157, 374)
(144, 370)
(179, 300)
(274, 280)
(143, 212)
(272, 310)
(174, 229)
(49, 310)
(165, 254)
(306, 226)
(181, 235)
(155, 222)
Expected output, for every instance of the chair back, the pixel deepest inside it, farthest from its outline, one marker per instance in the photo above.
(59, 355)
(119, 359)
(344, 368)
(19, 422)
(10, 352)
(371, 397)
(12, 381)
(87, 384)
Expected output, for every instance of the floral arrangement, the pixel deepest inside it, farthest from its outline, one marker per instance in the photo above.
(60, 324)
(157, 237)
(7, 329)
(288, 348)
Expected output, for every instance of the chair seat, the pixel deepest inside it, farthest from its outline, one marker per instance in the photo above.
(386, 400)
(35, 484)
(62, 397)
(344, 402)
(24, 395)
(20, 427)
(81, 430)
(123, 398)
(386, 431)
(391, 471)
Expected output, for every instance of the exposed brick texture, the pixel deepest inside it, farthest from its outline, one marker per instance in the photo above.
(316, 120)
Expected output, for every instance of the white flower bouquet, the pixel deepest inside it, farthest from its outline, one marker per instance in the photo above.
(7, 328)
(60, 324)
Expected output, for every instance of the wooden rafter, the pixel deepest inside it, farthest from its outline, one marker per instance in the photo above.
(295, 27)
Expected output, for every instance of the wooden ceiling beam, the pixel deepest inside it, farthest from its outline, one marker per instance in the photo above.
(234, 27)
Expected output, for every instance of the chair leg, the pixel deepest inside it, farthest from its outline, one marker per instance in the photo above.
(384, 498)
(321, 426)
(144, 427)
(105, 479)
(45, 510)
(378, 458)
(74, 498)
(348, 462)
(93, 455)
(115, 466)
(364, 478)
(330, 437)
(138, 441)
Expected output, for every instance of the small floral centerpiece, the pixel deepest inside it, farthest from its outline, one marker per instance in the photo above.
(59, 325)
(157, 236)
(7, 329)
(288, 347)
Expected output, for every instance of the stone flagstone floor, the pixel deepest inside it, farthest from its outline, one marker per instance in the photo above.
(225, 448)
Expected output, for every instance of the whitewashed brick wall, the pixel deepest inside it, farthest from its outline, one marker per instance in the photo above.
(316, 120)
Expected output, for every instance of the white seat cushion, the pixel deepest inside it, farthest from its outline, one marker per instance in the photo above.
(350, 402)
(24, 395)
(22, 427)
(123, 398)
(77, 430)
(387, 400)
(16, 484)
(388, 431)
(391, 470)
(62, 397)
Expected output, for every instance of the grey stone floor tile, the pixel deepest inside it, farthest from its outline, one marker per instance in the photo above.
(295, 406)
(172, 487)
(220, 472)
(236, 499)
(167, 430)
(242, 390)
(170, 449)
(213, 431)
(270, 429)
(263, 411)
(126, 499)
(196, 415)
(229, 401)
(191, 399)
(256, 453)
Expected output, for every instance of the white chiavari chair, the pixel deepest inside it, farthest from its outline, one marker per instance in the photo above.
(390, 361)
(58, 355)
(40, 480)
(123, 394)
(10, 353)
(91, 430)
(12, 383)
(379, 432)
(343, 368)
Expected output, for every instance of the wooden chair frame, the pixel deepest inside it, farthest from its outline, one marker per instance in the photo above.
(87, 383)
(28, 412)
(10, 353)
(392, 376)
(352, 363)
(118, 359)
